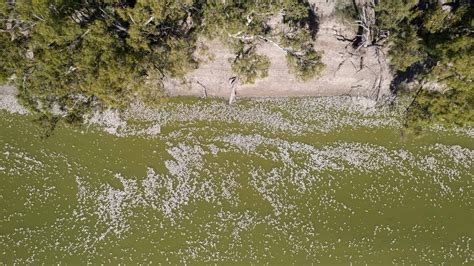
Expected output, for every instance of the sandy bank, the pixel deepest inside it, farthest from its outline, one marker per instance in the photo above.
(343, 74)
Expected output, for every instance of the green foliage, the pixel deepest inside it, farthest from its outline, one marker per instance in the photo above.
(306, 66)
(246, 23)
(224, 18)
(423, 31)
(455, 63)
(102, 51)
(390, 13)
(295, 12)
(237, 24)
(438, 20)
(454, 107)
(78, 56)
(406, 49)
(250, 66)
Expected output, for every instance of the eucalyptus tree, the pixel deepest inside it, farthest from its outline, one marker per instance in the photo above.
(244, 25)
(76, 56)
(434, 41)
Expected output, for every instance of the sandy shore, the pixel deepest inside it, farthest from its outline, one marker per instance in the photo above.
(342, 74)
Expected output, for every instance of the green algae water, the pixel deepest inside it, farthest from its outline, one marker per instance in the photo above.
(289, 181)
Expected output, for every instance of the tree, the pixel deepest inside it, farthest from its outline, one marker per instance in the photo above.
(73, 57)
(437, 36)
(406, 49)
(244, 24)
(83, 55)
(307, 65)
(248, 65)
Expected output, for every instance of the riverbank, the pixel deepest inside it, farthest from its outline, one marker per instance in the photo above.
(291, 115)
(347, 72)
(362, 75)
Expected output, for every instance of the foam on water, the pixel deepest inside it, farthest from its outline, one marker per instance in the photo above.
(269, 181)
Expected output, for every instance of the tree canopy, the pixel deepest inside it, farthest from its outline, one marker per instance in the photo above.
(77, 56)
(437, 35)
(68, 57)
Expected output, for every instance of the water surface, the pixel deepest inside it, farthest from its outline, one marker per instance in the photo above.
(270, 181)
